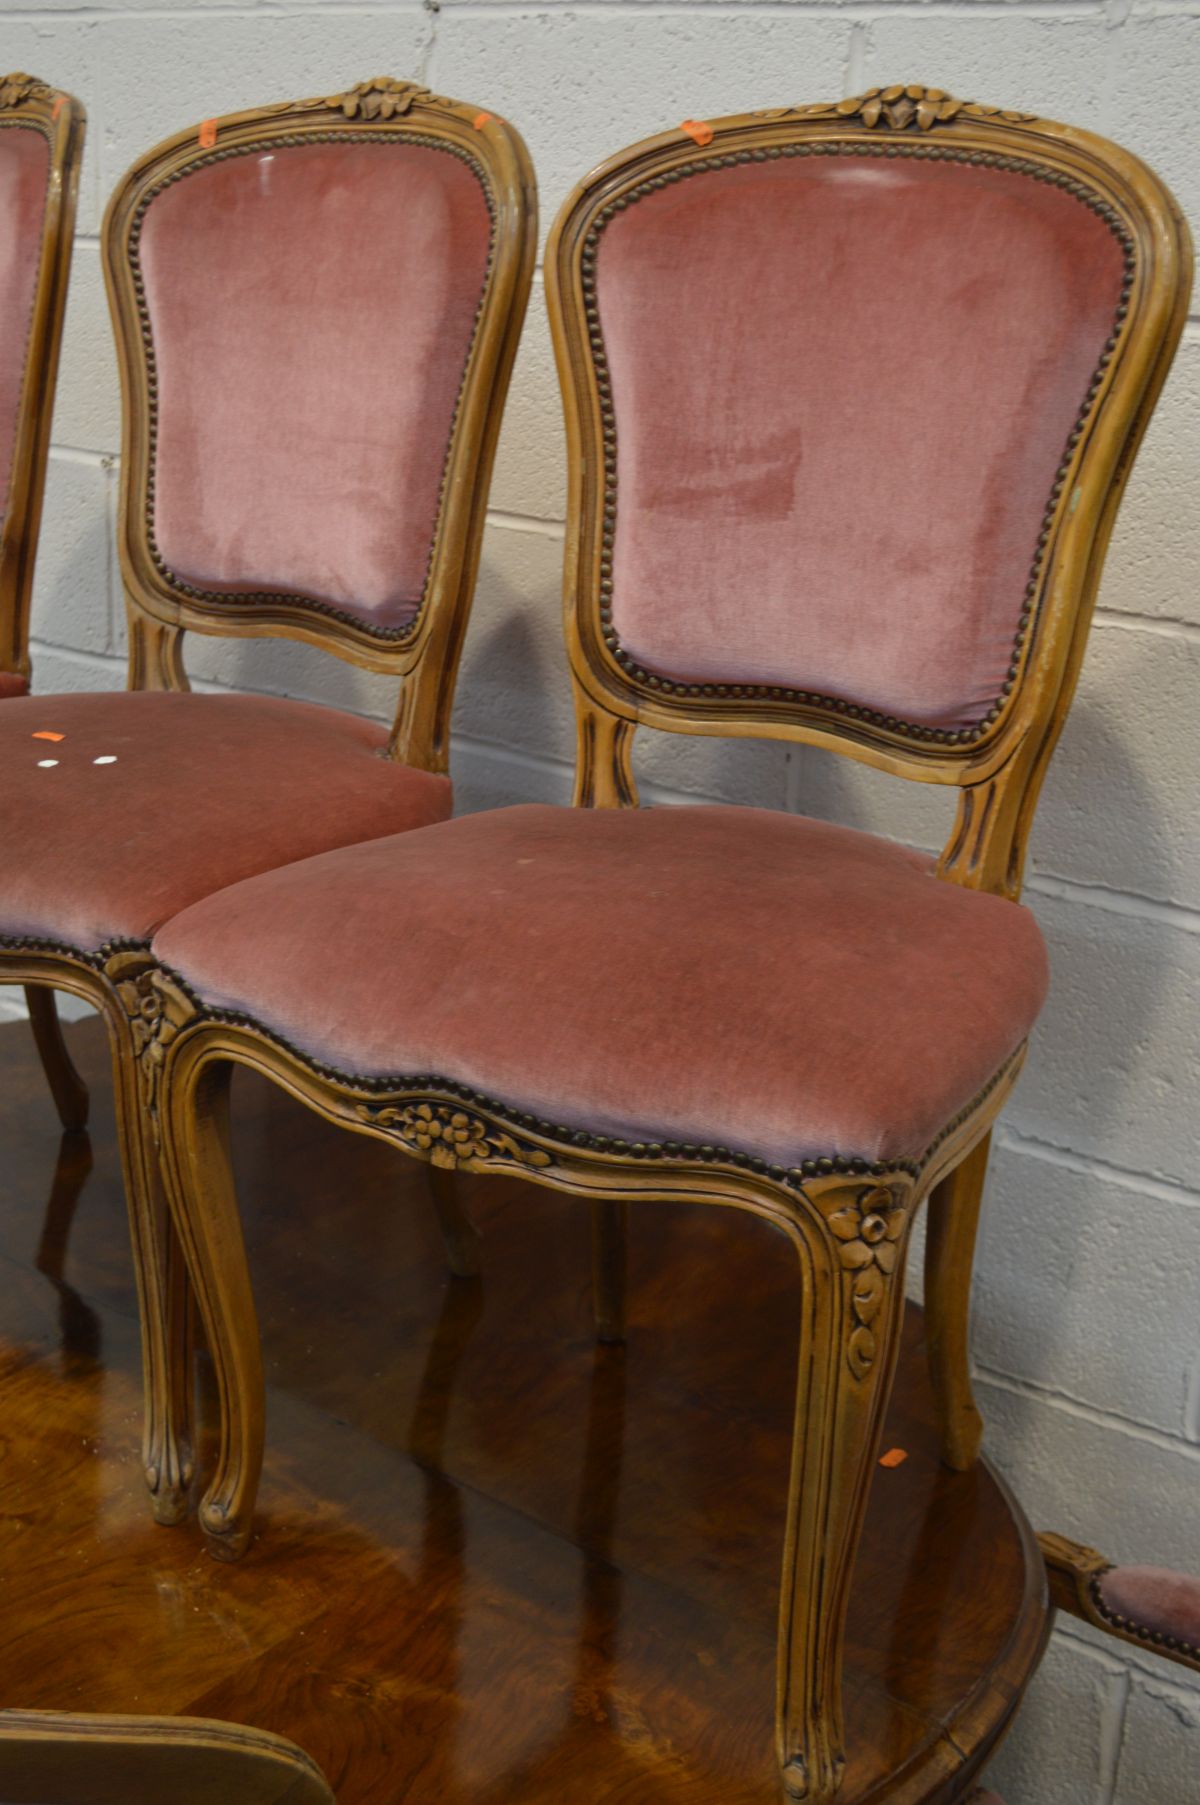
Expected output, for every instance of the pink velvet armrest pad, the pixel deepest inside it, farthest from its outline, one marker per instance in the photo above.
(1155, 1600)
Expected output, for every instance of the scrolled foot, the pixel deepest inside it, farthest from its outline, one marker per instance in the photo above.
(169, 1477)
(169, 1507)
(795, 1780)
(801, 1782)
(226, 1537)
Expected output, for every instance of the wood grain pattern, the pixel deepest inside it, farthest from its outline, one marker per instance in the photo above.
(494, 1562)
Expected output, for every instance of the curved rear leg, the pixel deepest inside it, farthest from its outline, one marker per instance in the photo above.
(66, 1086)
(949, 1256)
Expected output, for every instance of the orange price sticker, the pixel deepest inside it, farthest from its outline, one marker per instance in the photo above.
(56, 737)
(56, 109)
(481, 120)
(208, 134)
(895, 1457)
(696, 128)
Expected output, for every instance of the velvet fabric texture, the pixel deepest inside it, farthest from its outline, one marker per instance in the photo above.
(24, 170)
(1155, 1599)
(12, 685)
(155, 800)
(723, 975)
(312, 308)
(842, 390)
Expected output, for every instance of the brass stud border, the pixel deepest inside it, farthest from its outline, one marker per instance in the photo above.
(287, 141)
(1127, 1626)
(424, 1086)
(838, 705)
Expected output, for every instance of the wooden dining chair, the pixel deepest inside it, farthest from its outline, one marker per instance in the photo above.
(41, 149)
(852, 392)
(1153, 1609)
(316, 306)
(64, 1758)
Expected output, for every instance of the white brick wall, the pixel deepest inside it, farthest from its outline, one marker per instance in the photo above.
(1088, 1337)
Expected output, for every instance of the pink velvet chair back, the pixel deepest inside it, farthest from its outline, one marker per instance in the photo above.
(41, 144)
(317, 306)
(833, 470)
(862, 383)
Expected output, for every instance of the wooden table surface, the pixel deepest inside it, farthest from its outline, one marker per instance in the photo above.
(494, 1562)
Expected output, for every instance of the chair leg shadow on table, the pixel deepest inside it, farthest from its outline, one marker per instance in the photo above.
(66, 1086)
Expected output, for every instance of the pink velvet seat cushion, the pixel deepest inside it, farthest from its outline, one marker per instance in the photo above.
(12, 685)
(1155, 1601)
(149, 802)
(734, 976)
(312, 308)
(24, 168)
(835, 476)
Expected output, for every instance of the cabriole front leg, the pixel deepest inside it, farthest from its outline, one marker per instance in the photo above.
(163, 1294)
(851, 1250)
(199, 1176)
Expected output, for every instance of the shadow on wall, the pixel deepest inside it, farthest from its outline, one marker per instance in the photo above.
(514, 691)
(76, 589)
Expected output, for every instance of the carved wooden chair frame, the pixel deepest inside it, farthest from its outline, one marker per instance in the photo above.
(848, 1222)
(27, 104)
(60, 1755)
(161, 607)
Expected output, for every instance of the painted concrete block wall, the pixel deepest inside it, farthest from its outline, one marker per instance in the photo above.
(1088, 1332)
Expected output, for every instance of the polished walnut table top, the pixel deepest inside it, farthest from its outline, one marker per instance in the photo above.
(495, 1562)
